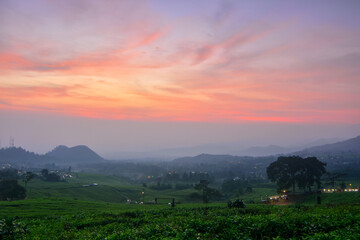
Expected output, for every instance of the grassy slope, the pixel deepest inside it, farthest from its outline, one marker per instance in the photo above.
(116, 190)
(63, 206)
(189, 222)
(109, 189)
(333, 198)
(52, 207)
(113, 189)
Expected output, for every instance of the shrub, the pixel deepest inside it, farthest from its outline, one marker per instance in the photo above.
(236, 204)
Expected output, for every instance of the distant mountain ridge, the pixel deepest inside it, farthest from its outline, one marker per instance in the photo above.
(207, 158)
(280, 150)
(344, 150)
(351, 145)
(236, 149)
(77, 154)
(60, 156)
(17, 156)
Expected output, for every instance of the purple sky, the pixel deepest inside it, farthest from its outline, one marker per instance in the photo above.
(147, 75)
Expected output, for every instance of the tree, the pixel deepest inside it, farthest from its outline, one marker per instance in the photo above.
(28, 177)
(44, 172)
(185, 177)
(284, 171)
(10, 189)
(292, 170)
(236, 185)
(334, 177)
(203, 186)
(311, 170)
(8, 173)
(207, 193)
(53, 177)
(236, 204)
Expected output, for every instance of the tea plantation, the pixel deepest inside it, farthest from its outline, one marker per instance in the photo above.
(70, 211)
(120, 221)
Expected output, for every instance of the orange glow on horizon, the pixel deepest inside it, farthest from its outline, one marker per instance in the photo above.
(154, 66)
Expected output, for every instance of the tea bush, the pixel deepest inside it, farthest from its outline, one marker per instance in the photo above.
(204, 222)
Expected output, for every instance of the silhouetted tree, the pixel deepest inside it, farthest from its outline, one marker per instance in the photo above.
(207, 193)
(53, 177)
(284, 171)
(334, 177)
(236, 204)
(9, 173)
(28, 177)
(287, 171)
(311, 170)
(10, 189)
(235, 186)
(44, 172)
(185, 177)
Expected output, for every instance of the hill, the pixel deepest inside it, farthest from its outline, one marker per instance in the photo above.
(18, 157)
(351, 145)
(75, 155)
(279, 150)
(207, 158)
(223, 166)
(340, 155)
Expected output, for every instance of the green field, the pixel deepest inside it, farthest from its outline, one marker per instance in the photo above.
(67, 210)
(61, 219)
(114, 189)
(333, 198)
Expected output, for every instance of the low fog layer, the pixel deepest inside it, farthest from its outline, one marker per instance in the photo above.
(41, 133)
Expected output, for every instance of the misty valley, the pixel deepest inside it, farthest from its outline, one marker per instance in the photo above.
(73, 193)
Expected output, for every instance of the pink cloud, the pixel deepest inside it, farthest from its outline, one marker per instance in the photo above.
(141, 67)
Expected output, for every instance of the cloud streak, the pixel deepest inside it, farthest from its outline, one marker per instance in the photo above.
(124, 60)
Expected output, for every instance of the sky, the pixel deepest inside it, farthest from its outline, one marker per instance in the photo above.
(146, 75)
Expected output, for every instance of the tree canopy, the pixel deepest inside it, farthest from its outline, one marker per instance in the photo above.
(207, 192)
(292, 170)
(10, 189)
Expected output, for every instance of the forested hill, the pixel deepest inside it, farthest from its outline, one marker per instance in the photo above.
(74, 155)
(340, 154)
(223, 163)
(209, 159)
(344, 154)
(219, 159)
(350, 145)
(61, 156)
(17, 156)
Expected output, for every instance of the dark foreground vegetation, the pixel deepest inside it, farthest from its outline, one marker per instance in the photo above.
(193, 221)
(77, 209)
(205, 197)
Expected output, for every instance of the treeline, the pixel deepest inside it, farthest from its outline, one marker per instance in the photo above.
(10, 189)
(171, 172)
(292, 171)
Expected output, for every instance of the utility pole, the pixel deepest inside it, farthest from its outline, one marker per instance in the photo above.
(143, 195)
(12, 142)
